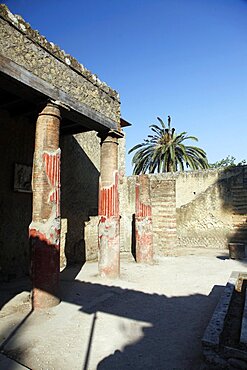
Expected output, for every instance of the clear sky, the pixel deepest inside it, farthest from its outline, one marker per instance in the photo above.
(183, 58)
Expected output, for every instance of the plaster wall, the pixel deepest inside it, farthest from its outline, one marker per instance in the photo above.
(79, 196)
(16, 146)
(206, 221)
(194, 209)
(80, 187)
(217, 215)
(162, 200)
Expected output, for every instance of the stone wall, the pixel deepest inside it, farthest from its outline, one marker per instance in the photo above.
(163, 203)
(80, 158)
(205, 222)
(80, 186)
(79, 194)
(26, 47)
(209, 220)
(16, 146)
(80, 164)
(194, 209)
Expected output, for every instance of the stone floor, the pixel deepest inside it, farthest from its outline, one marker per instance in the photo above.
(153, 317)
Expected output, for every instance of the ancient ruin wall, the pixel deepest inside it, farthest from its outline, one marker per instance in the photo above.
(79, 195)
(212, 219)
(205, 222)
(80, 188)
(163, 204)
(29, 49)
(194, 209)
(16, 147)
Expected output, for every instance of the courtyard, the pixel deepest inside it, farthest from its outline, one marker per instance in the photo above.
(152, 317)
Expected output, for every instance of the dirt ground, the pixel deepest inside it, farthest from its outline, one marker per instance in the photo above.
(153, 317)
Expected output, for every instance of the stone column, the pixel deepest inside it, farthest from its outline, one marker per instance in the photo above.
(44, 230)
(143, 221)
(108, 233)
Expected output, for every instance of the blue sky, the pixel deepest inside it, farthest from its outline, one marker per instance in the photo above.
(183, 58)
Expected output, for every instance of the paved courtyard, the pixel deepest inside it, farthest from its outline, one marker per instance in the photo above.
(153, 317)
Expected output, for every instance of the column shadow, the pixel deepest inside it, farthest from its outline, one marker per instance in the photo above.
(171, 327)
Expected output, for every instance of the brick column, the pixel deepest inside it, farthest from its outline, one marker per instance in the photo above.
(108, 233)
(143, 221)
(44, 230)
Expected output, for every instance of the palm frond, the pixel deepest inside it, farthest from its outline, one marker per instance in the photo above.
(165, 151)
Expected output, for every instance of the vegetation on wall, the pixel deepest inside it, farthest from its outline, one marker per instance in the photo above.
(165, 151)
(229, 161)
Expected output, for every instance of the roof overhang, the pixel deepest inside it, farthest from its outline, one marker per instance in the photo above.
(28, 87)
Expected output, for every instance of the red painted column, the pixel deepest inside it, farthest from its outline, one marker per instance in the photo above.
(44, 230)
(143, 221)
(108, 232)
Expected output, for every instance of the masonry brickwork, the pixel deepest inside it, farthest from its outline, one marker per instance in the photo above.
(163, 200)
(194, 209)
(143, 221)
(42, 72)
(217, 215)
(45, 228)
(26, 47)
(163, 209)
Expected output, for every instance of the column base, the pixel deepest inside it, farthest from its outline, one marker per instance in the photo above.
(42, 299)
(109, 247)
(45, 274)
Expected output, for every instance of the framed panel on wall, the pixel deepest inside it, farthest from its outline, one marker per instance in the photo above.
(23, 178)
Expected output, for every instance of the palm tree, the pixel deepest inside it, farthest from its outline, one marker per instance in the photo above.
(165, 152)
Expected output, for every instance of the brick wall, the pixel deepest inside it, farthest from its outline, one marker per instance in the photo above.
(163, 200)
(163, 203)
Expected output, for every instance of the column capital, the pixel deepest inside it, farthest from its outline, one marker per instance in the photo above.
(115, 134)
(51, 109)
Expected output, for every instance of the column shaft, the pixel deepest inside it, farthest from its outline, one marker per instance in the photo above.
(44, 231)
(109, 242)
(143, 221)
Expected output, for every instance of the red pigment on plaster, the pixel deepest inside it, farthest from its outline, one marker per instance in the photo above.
(144, 239)
(52, 169)
(108, 199)
(144, 245)
(142, 210)
(33, 233)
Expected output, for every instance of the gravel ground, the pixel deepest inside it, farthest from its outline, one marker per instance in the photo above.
(153, 317)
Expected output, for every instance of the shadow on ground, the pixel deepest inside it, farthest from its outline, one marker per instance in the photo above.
(171, 327)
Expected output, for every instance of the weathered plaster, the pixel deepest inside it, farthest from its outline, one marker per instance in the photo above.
(28, 48)
(143, 221)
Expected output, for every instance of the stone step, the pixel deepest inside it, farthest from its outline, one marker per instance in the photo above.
(239, 218)
(240, 206)
(240, 226)
(237, 187)
(239, 196)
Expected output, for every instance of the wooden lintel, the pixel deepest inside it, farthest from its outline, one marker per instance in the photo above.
(82, 114)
